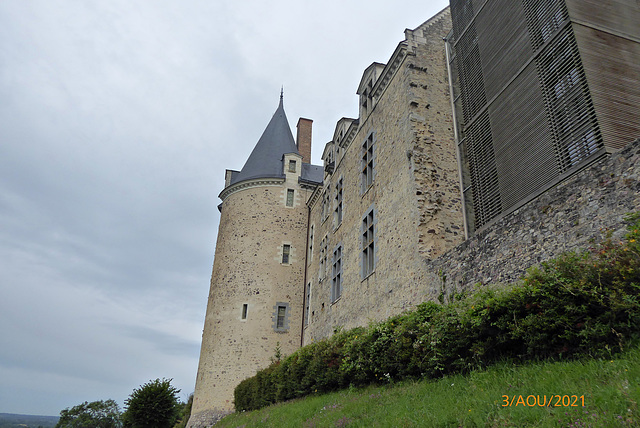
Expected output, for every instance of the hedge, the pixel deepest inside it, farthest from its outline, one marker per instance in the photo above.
(581, 303)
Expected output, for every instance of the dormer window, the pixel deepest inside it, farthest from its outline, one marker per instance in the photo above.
(292, 166)
(329, 163)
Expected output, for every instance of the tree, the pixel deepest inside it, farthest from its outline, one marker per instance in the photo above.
(153, 405)
(185, 413)
(98, 414)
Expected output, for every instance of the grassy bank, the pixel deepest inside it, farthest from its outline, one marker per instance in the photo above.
(610, 390)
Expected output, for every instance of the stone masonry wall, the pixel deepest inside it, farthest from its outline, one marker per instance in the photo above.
(435, 168)
(414, 195)
(255, 223)
(572, 215)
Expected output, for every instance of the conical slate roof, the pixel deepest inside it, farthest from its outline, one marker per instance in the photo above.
(265, 160)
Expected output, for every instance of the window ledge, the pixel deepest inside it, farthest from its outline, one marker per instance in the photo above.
(367, 191)
(368, 276)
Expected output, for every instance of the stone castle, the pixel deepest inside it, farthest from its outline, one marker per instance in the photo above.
(494, 137)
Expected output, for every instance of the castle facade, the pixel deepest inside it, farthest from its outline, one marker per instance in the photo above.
(460, 149)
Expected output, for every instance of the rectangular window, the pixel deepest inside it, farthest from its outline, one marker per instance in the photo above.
(338, 210)
(286, 250)
(336, 284)
(245, 307)
(323, 259)
(292, 166)
(310, 243)
(326, 200)
(290, 193)
(367, 163)
(282, 312)
(368, 244)
(306, 310)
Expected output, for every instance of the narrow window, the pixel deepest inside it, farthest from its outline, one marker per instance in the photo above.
(367, 163)
(306, 311)
(282, 312)
(244, 311)
(310, 243)
(368, 244)
(290, 193)
(323, 259)
(292, 166)
(336, 284)
(286, 250)
(326, 201)
(338, 210)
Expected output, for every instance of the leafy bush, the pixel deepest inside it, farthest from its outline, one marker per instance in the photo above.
(581, 303)
(184, 413)
(153, 405)
(98, 414)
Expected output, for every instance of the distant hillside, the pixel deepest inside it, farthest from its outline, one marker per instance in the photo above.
(9, 420)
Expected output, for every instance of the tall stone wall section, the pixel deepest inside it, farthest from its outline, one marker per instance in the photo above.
(414, 195)
(248, 270)
(435, 166)
(572, 215)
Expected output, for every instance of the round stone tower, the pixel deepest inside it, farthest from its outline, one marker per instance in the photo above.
(256, 296)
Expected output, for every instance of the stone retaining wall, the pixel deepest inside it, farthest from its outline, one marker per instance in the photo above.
(571, 215)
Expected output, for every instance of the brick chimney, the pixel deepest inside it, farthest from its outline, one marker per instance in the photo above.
(303, 139)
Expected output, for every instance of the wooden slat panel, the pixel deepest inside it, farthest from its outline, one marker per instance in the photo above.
(503, 41)
(523, 141)
(621, 16)
(612, 68)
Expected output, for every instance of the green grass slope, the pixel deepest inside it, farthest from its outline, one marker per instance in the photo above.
(582, 393)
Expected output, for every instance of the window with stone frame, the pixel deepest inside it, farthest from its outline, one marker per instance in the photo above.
(286, 252)
(322, 271)
(292, 166)
(290, 195)
(368, 243)
(336, 274)
(310, 257)
(326, 200)
(367, 163)
(282, 312)
(337, 213)
(280, 317)
(245, 308)
(308, 305)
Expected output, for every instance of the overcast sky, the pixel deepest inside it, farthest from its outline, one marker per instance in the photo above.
(117, 121)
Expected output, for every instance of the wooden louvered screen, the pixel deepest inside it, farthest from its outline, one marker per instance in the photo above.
(569, 105)
(525, 113)
(608, 38)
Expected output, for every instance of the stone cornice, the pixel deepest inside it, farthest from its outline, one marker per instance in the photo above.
(351, 133)
(390, 70)
(315, 196)
(248, 184)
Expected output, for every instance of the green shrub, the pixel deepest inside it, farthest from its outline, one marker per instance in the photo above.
(581, 303)
(97, 414)
(153, 405)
